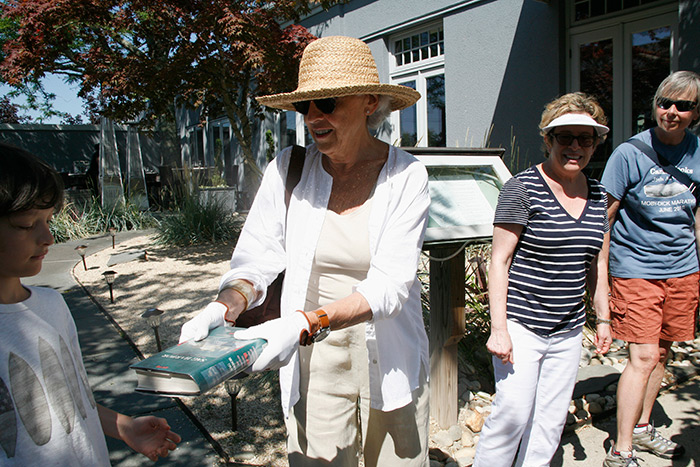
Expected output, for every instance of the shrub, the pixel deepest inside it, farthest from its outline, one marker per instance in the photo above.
(79, 221)
(195, 222)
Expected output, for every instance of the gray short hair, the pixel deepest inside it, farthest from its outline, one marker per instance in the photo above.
(678, 82)
(375, 120)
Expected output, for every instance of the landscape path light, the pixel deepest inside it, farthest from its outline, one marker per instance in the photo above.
(109, 279)
(153, 317)
(81, 251)
(233, 387)
(113, 233)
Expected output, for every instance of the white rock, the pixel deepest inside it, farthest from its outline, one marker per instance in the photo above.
(443, 439)
(467, 439)
(455, 432)
(464, 456)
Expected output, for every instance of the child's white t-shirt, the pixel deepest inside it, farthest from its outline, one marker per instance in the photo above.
(48, 414)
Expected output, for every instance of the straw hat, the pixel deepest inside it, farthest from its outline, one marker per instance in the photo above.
(338, 66)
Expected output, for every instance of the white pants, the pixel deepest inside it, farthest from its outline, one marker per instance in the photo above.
(532, 399)
(332, 424)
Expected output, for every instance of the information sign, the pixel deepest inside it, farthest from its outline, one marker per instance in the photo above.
(464, 185)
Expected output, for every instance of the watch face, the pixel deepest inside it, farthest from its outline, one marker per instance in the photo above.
(321, 334)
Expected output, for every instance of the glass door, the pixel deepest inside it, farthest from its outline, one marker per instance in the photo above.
(649, 44)
(622, 64)
(598, 72)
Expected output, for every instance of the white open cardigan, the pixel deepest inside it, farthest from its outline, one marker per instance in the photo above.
(397, 344)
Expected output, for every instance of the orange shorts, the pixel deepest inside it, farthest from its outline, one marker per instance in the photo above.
(647, 310)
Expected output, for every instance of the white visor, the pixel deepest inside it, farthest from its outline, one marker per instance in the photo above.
(577, 119)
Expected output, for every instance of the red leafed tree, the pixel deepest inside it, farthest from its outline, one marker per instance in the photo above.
(139, 57)
(9, 112)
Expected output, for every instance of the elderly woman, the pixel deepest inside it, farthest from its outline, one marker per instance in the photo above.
(653, 257)
(350, 245)
(549, 228)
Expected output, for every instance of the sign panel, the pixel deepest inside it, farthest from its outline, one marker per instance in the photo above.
(464, 187)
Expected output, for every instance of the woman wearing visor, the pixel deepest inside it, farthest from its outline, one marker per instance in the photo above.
(549, 228)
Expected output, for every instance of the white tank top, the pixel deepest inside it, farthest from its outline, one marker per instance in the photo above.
(342, 256)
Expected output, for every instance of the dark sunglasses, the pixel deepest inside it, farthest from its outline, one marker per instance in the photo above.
(327, 105)
(682, 106)
(585, 141)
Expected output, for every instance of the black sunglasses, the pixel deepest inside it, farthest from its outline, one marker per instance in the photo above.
(327, 105)
(682, 106)
(585, 141)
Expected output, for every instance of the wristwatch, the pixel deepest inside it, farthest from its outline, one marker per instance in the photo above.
(307, 339)
(325, 328)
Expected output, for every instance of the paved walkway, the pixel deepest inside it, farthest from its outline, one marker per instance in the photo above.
(107, 356)
(677, 413)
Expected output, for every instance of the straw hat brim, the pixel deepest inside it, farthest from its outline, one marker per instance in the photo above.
(401, 96)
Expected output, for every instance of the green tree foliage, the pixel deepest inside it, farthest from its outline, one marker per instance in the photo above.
(132, 57)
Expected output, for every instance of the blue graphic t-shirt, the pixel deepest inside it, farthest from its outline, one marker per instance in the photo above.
(653, 233)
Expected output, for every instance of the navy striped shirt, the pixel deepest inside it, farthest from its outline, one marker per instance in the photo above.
(547, 277)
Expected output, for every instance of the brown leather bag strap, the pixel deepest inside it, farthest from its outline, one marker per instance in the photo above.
(296, 164)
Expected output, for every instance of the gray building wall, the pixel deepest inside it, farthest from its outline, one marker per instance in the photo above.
(502, 61)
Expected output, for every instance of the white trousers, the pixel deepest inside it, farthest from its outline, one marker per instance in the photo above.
(532, 399)
(333, 424)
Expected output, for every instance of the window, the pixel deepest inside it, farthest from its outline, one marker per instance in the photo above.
(419, 46)
(288, 123)
(419, 64)
(585, 9)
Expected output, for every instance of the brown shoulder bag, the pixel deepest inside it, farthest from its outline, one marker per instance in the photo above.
(270, 308)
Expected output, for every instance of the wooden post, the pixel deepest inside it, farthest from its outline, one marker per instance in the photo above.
(447, 326)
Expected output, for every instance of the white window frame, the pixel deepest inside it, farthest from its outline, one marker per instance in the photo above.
(419, 72)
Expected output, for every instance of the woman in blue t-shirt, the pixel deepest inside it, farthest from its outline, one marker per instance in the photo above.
(549, 228)
(653, 257)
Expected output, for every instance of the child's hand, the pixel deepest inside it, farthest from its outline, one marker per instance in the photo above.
(151, 436)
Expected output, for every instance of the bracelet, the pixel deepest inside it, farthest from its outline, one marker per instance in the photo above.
(244, 288)
(603, 321)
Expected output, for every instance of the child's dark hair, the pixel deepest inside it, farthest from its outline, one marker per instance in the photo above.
(27, 182)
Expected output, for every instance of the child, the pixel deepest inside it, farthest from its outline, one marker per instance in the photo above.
(48, 415)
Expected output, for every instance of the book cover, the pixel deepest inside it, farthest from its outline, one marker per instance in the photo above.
(192, 368)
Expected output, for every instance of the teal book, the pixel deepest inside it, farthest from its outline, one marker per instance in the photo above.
(193, 368)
